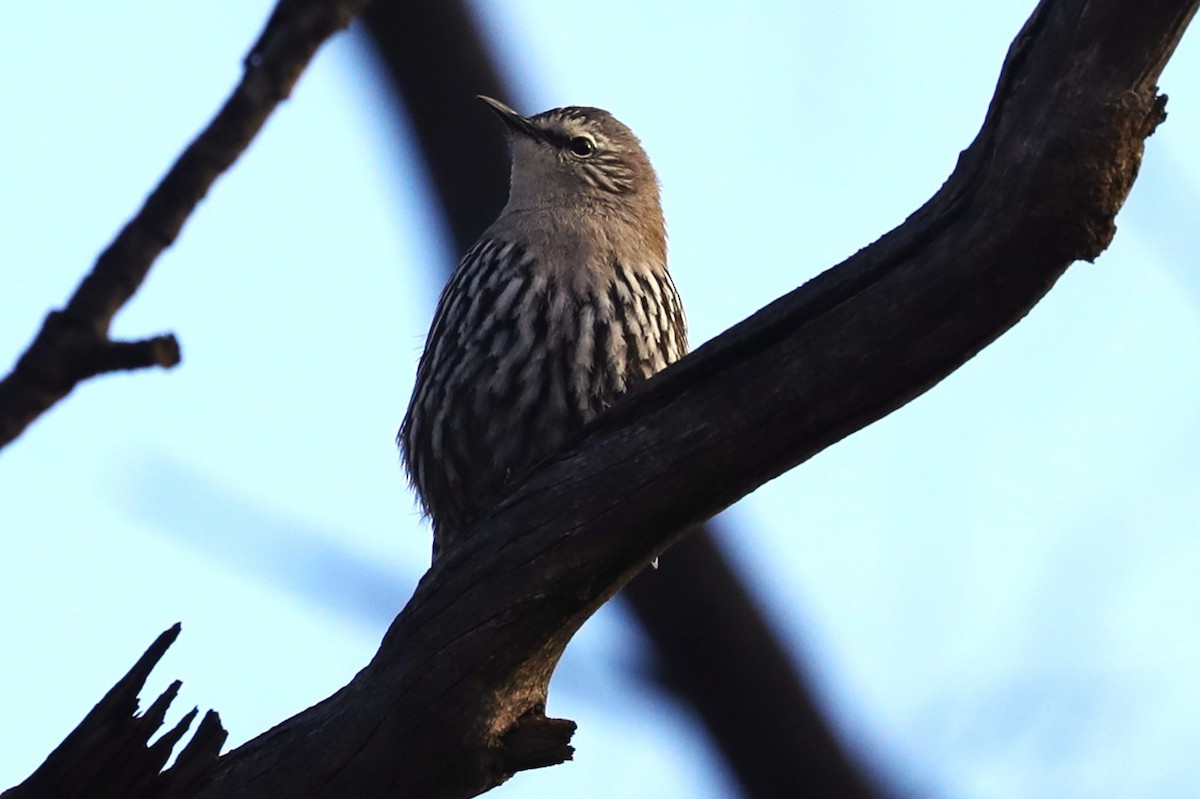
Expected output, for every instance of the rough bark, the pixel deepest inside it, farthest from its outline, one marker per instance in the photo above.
(467, 662)
(453, 702)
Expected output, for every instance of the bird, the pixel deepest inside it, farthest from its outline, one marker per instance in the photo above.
(562, 305)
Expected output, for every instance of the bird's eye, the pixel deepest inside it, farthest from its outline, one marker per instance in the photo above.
(582, 146)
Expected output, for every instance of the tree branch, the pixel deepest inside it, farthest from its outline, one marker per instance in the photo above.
(454, 700)
(73, 343)
(703, 625)
(438, 62)
(469, 658)
(109, 755)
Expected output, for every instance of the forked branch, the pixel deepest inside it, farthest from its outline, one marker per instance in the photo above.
(73, 343)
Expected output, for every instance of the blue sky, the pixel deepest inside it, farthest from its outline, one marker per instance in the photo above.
(994, 588)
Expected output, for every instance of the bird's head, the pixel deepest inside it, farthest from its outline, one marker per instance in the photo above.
(575, 154)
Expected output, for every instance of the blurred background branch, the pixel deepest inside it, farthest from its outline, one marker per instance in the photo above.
(712, 644)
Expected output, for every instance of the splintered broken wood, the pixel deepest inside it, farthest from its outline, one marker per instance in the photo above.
(109, 755)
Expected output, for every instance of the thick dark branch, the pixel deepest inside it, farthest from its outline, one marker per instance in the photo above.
(109, 755)
(453, 703)
(73, 343)
(468, 660)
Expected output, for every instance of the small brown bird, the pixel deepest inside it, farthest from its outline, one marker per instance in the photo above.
(562, 304)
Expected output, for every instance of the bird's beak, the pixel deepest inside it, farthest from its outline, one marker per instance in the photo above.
(515, 123)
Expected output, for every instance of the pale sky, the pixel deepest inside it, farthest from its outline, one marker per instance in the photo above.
(994, 588)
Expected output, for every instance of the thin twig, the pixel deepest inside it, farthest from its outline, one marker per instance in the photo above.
(73, 343)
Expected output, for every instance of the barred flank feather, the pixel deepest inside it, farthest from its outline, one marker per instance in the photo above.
(553, 314)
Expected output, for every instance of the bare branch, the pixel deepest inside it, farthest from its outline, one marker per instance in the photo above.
(73, 344)
(454, 700)
(108, 756)
(468, 660)
(704, 626)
